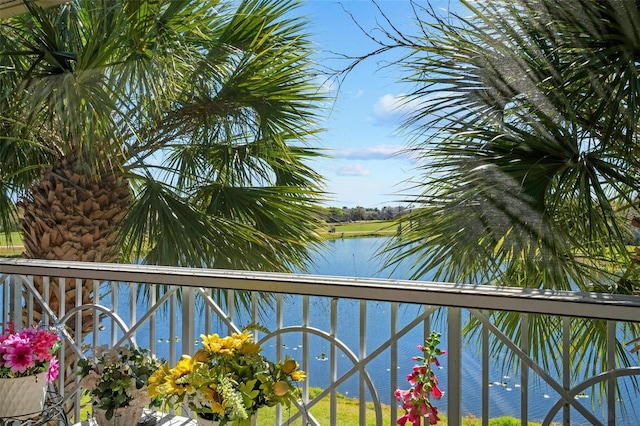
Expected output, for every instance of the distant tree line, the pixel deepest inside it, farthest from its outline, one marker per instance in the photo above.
(349, 214)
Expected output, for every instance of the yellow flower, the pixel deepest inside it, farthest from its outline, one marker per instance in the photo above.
(298, 375)
(172, 383)
(211, 343)
(217, 408)
(245, 336)
(156, 380)
(208, 393)
(172, 387)
(228, 345)
(249, 348)
(185, 366)
(214, 399)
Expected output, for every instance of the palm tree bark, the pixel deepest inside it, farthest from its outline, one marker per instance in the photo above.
(72, 216)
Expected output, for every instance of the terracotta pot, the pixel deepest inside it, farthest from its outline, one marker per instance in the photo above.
(23, 397)
(124, 416)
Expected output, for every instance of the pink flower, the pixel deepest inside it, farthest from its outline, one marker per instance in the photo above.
(27, 352)
(53, 369)
(18, 356)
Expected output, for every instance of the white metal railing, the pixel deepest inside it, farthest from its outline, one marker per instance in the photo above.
(351, 335)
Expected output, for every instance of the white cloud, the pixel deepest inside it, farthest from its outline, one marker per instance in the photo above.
(354, 169)
(379, 152)
(393, 109)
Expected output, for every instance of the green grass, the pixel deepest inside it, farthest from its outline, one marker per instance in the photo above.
(16, 239)
(11, 247)
(366, 228)
(348, 413)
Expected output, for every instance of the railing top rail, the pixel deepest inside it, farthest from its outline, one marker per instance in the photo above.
(553, 302)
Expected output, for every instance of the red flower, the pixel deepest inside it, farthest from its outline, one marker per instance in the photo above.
(436, 392)
(433, 416)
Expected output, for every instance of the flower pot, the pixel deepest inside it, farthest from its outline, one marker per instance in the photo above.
(124, 416)
(23, 397)
(206, 422)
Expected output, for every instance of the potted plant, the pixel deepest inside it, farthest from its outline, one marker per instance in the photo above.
(27, 365)
(117, 382)
(227, 381)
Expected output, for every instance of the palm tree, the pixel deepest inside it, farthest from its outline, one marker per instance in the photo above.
(171, 133)
(527, 144)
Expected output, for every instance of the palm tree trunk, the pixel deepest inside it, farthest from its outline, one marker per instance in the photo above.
(71, 216)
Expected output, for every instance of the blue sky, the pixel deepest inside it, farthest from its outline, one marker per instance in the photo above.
(361, 123)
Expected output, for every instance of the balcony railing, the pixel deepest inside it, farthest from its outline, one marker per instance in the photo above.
(353, 336)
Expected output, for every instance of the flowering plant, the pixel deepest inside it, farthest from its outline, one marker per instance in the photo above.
(416, 401)
(27, 352)
(118, 377)
(227, 380)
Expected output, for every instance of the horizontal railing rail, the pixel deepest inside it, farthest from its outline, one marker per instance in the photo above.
(344, 331)
(553, 302)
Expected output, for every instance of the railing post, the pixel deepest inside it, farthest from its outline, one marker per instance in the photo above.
(188, 307)
(393, 361)
(524, 371)
(566, 367)
(611, 365)
(485, 373)
(15, 302)
(333, 362)
(188, 320)
(454, 357)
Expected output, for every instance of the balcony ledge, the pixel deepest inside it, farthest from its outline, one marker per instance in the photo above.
(10, 8)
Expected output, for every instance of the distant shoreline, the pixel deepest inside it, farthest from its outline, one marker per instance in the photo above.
(11, 250)
(340, 235)
(331, 231)
(365, 228)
